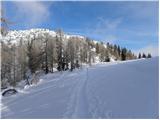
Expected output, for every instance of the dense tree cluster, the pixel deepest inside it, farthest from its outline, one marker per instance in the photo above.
(43, 52)
(105, 51)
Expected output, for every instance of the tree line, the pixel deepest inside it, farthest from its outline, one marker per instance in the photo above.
(43, 52)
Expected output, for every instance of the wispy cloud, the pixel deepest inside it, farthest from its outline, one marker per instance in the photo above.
(105, 29)
(108, 24)
(32, 13)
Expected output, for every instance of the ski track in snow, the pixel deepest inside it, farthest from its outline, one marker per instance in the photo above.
(98, 93)
(78, 105)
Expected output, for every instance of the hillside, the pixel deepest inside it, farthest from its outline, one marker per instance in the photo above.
(126, 89)
(27, 52)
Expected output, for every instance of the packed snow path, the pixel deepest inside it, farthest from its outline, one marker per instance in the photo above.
(112, 90)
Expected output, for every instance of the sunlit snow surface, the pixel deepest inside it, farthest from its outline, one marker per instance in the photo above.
(113, 90)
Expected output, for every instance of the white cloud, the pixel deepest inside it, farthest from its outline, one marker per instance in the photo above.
(107, 24)
(154, 50)
(105, 29)
(33, 12)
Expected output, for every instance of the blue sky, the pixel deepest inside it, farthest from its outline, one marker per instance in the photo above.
(130, 24)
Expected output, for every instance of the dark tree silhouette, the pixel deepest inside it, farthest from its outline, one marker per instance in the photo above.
(123, 55)
(144, 55)
(139, 56)
(149, 55)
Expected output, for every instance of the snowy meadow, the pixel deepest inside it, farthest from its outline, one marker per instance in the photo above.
(79, 60)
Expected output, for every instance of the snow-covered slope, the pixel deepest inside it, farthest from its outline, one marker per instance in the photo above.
(115, 90)
(16, 35)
